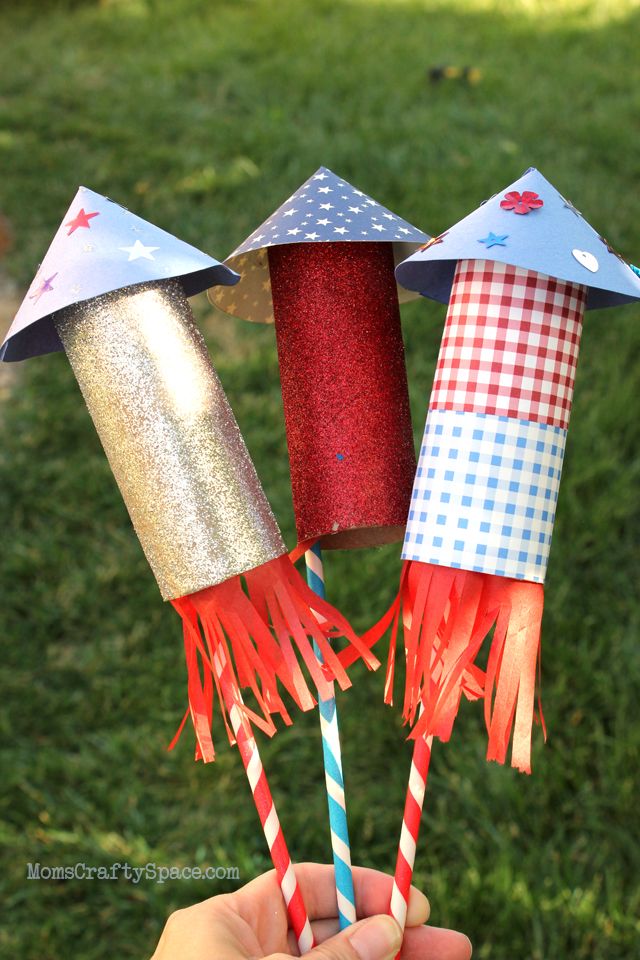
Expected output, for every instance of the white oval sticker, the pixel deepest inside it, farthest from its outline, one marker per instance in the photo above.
(586, 259)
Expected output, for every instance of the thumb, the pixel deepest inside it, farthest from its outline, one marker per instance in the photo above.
(377, 938)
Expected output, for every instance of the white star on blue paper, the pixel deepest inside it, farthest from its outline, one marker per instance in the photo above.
(139, 250)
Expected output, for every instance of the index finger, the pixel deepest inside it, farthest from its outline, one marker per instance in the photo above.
(372, 889)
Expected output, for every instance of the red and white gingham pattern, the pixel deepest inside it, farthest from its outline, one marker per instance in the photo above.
(510, 343)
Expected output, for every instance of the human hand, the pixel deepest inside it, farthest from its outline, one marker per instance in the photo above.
(252, 924)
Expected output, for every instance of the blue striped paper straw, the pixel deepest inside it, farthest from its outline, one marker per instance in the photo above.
(333, 771)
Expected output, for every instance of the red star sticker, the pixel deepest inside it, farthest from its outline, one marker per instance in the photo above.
(81, 220)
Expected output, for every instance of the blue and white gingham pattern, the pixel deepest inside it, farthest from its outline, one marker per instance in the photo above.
(485, 494)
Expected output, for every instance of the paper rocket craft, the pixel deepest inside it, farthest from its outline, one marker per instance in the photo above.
(112, 292)
(517, 274)
(322, 267)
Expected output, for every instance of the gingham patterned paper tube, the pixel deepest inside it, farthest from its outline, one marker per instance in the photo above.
(484, 497)
(334, 779)
(266, 808)
(487, 483)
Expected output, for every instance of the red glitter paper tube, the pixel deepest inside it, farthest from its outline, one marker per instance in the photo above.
(344, 390)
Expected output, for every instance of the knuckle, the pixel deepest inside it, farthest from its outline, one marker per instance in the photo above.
(176, 921)
(337, 950)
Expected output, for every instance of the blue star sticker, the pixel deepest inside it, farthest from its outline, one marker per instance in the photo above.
(493, 240)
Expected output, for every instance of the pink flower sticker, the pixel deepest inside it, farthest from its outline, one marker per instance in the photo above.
(521, 202)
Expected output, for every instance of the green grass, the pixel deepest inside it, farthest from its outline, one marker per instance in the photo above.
(202, 117)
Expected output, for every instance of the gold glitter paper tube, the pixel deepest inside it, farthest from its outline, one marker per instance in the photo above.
(171, 438)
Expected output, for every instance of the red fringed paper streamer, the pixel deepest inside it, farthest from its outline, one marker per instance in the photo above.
(447, 615)
(344, 390)
(264, 630)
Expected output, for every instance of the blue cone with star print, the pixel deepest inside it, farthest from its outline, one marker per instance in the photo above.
(530, 225)
(101, 247)
(325, 209)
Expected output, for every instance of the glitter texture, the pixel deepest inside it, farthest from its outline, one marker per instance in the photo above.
(344, 388)
(171, 438)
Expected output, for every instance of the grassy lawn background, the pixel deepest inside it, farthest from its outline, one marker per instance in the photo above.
(202, 117)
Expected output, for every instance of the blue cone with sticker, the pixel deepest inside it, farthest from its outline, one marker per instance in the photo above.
(552, 238)
(100, 247)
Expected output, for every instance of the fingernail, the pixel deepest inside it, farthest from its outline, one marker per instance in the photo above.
(379, 938)
(419, 908)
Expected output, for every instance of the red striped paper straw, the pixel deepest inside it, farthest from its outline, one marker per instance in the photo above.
(410, 830)
(266, 808)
